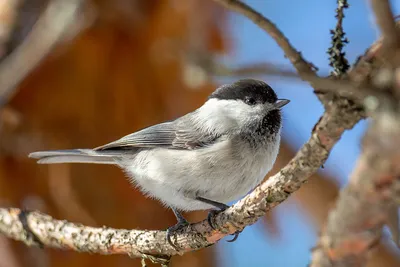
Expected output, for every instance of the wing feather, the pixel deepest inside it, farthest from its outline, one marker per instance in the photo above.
(174, 135)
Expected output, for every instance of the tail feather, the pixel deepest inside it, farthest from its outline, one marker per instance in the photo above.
(73, 156)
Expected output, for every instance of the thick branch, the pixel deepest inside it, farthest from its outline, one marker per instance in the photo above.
(303, 67)
(370, 200)
(62, 234)
(52, 24)
(355, 226)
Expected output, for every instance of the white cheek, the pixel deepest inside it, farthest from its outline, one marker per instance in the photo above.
(213, 116)
(244, 114)
(227, 115)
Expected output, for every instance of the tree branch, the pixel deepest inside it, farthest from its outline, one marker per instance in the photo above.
(372, 197)
(386, 22)
(355, 225)
(63, 234)
(345, 87)
(304, 68)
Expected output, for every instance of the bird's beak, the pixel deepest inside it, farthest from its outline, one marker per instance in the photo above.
(280, 103)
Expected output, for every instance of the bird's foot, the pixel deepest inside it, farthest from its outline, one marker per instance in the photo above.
(221, 207)
(210, 217)
(182, 223)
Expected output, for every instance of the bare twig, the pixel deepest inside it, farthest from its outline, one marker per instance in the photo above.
(337, 57)
(386, 22)
(303, 67)
(345, 87)
(52, 24)
(305, 70)
(62, 234)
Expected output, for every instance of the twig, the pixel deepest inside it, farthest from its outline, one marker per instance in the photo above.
(386, 22)
(337, 57)
(303, 67)
(355, 226)
(62, 234)
(52, 24)
(344, 87)
(305, 70)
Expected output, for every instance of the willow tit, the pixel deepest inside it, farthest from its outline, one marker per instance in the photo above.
(202, 160)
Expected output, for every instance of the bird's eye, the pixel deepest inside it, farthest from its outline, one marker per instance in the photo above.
(250, 101)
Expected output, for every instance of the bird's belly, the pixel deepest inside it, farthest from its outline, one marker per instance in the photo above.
(176, 179)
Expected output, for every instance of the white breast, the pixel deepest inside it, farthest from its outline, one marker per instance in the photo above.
(223, 172)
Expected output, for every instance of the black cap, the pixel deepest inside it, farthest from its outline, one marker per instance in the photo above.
(248, 90)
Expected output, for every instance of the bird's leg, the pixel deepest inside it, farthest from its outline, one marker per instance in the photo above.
(218, 205)
(182, 222)
(212, 213)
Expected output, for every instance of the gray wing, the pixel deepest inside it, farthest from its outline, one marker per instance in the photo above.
(178, 134)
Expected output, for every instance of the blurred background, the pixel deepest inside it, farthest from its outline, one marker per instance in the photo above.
(122, 65)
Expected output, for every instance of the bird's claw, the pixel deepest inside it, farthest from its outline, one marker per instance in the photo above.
(235, 236)
(211, 215)
(171, 230)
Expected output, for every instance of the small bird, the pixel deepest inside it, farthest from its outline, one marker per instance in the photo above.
(202, 160)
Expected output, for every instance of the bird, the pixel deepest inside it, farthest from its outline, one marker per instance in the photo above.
(203, 160)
